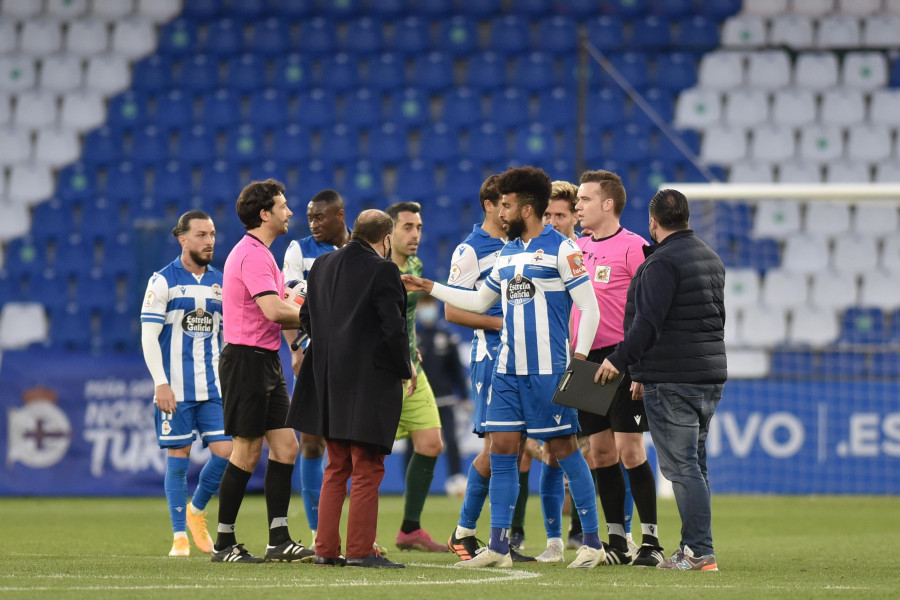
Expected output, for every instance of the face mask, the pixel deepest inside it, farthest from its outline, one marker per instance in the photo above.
(427, 314)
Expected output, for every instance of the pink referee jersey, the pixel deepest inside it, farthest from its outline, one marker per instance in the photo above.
(250, 272)
(611, 263)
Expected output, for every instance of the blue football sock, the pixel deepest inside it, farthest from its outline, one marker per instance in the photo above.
(629, 501)
(210, 478)
(553, 493)
(504, 490)
(176, 490)
(312, 471)
(473, 503)
(584, 494)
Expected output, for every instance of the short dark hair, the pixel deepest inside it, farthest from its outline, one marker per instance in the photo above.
(372, 226)
(396, 208)
(531, 186)
(671, 210)
(184, 222)
(329, 197)
(257, 196)
(489, 191)
(610, 187)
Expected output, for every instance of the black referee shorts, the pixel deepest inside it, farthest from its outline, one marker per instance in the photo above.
(625, 415)
(254, 394)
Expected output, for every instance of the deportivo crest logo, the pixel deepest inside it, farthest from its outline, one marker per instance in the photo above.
(520, 291)
(197, 324)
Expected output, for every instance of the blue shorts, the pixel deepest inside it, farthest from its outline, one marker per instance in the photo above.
(482, 372)
(524, 403)
(180, 430)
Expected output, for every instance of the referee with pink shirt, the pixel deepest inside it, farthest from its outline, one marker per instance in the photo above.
(254, 394)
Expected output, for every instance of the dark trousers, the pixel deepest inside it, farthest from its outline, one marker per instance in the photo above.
(366, 465)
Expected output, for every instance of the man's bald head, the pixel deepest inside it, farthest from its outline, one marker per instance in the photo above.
(372, 226)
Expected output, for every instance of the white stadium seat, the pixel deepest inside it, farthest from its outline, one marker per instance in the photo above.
(837, 291)
(35, 109)
(766, 8)
(7, 35)
(848, 171)
(826, 219)
(890, 254)
(21, 10)
(721, 71)
(854, 254)
(112, 10)
(777, 219)
(762, 326)
(62, 73)
(792, 31)
(134, 37)
(793, 107)
(16, 146)
(805, 253)
(769, 69)
(887, 172)
(843, 106)
(22, 324)
(884, 107)
(5, 109)
(859, 7)
(748, 363)
(772, 143)
(723, 145)
(892, 7)
(698, 108)
(741, 288)
(816, 70)
(40, 37)
(29, 183)
(875, 219)
(880, 289)
(82, 110)
(751, 171)
(746, 107)
(880, 31)
(813, 326)
(87, 37)
(744, 31)
(159, 11)
(838, 31)
(66, 10)
(782, 289)
(14, 220)
(56, 146)
(812, 8)
(108, 73)
(869, 143)
(17, 72)
(821, 143)
(799, 171)
(866, 70)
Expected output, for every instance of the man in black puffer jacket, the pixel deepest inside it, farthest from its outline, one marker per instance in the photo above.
(674, 349)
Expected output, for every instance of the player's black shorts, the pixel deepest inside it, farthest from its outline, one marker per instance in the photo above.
(625, 415)
(254, 394)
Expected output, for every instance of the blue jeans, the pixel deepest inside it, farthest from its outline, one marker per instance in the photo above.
(679, 415)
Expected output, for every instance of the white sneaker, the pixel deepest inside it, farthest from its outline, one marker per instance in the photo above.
(485, 557)
(588, 558)
(553, 553)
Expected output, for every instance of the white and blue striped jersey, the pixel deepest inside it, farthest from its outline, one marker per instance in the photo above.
(190, 310)
(300, 256)
(470, 265)
(533, 280)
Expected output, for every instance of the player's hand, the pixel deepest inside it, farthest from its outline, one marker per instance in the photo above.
(606, 372)
(637, 390)
(296, 361)
(416, 284)
(411, 389)
(165, 399)
(579, 356)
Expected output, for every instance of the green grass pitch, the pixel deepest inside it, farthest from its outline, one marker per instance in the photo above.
(767, 547)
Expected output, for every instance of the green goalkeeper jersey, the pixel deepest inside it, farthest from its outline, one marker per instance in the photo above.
(413, 267)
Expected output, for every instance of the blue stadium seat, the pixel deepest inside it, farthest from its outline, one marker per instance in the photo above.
(315, 176)
(533, 145)
(557, 35)
(487, 144)
(119, 332)
(651, 33)
(458, 35)
(270, 169)
(25, 256)
(316, 108)
(71, 329)
(386, 72)
(128, 111)
(509, 34)
(318, 37)
(197, 145)
(141, 207)
(671, 9)
(461, 107)
(224, 38)
(863, 326)
(792, 364)
(462, 183)
(199, 73)
(509, 108)
(385, 8)
(204, 10)
(411, 37)
(576, 8)
(606, 33)
(432, 72)
(174, 110)
(416, 180)
(340, 144)
(627, 9)
(55, 218)
(442, 219)
(244, 145)
(633, 66)
(659, 100)
(94, 292)
(364, 182)
(102, 222)
(762, 254)
(362, 109)
(719, 9)
(698, 34)
(364, 37)
(219, 180)
(606, 108)
(149, 145)
(688, 172)
(172, 183)
(408, 107)
(76, 182)
(531, 73)
(342, 9)
(843, 364)
(895, 73)
(125, 181)
(557, 107)
(245, 74)
(74, 259)
(292, 73)
(887, 364)
(481, 9)
(439, 142)
(246, 10)
(268, 109)
(651, 174)
(152, 74)
(562, 168)
(292, 9)
(177, 38)
(572, 72)
(388, 144)
(340, 73)
(271, 38)
(667, 151)
(102, 146)
(431, 8)
(485, 72)
(675, 71)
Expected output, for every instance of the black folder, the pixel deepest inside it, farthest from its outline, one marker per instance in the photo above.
(577, 389)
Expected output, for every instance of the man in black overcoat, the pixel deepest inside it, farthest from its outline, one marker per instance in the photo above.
(350, 382)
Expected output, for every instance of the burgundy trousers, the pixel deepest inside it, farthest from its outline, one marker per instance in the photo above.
(365, 464)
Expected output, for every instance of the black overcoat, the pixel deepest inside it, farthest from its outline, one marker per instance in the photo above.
(349, 386)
